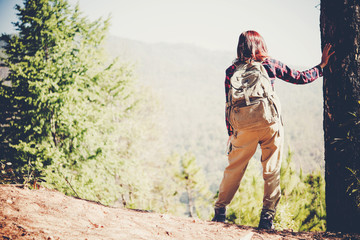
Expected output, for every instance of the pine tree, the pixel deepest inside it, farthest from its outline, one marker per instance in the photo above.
(302, 204)
(69, 112)
(195, 186)
(168, 188)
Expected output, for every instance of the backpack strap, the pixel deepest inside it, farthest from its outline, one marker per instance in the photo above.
(246, 94)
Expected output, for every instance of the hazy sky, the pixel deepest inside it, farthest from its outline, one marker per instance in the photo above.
(290, 27)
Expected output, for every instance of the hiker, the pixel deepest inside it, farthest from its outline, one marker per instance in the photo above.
(253, 116)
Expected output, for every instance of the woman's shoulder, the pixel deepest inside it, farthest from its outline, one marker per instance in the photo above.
(231, 68)
(271, 63)
(235, 64)
(269, 60)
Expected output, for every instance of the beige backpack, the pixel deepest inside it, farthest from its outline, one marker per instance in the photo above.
(252, 101)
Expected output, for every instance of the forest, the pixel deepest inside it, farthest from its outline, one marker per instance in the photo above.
(138, 125)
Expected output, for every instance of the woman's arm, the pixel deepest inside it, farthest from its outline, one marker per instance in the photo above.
(299, 77)
(277, 69)
(280, 70)
(229, 72)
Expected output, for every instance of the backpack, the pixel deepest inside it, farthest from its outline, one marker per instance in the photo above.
(252, 101)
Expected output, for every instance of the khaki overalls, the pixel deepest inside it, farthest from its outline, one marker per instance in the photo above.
(243, 145)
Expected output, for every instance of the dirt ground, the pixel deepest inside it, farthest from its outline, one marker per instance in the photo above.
(48, 214)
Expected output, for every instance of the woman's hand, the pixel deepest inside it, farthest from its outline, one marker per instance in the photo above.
(326, 55)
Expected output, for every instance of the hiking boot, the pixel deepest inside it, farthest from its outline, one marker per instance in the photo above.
(266, 219)
(220, 215)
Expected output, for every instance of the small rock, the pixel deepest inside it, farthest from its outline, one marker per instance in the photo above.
(164, 216)
(9, 201)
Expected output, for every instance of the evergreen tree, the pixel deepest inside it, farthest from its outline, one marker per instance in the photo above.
(168, 188)
(194, 184)
(302, 205)
(68, 112)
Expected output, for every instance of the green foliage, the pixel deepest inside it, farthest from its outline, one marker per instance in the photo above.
(78, 121)
(10, 175)
(303, 198)
(302, 205)
(70, 114)
(354, 186)
(167, 191)
(179, 187)
(193, 182)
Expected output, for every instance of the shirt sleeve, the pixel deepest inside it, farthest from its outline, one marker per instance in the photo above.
(229, 72)
(280, 70)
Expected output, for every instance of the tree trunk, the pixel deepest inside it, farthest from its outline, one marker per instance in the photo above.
(190, 203)
(340, 26)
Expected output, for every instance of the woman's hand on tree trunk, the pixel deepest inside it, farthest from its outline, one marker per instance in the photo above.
(326, 55)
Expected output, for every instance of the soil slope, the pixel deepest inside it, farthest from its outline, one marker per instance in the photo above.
(48, 214)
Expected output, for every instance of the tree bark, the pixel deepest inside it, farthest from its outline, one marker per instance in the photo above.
(340, 26)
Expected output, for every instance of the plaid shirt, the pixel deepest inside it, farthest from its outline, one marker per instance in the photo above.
(276, 69)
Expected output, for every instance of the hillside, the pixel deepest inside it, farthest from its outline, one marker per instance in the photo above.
(48, 214)
(189, 82)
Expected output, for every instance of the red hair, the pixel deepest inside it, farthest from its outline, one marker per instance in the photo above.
(251, 46)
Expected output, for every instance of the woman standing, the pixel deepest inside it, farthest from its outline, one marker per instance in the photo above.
(243, 141)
